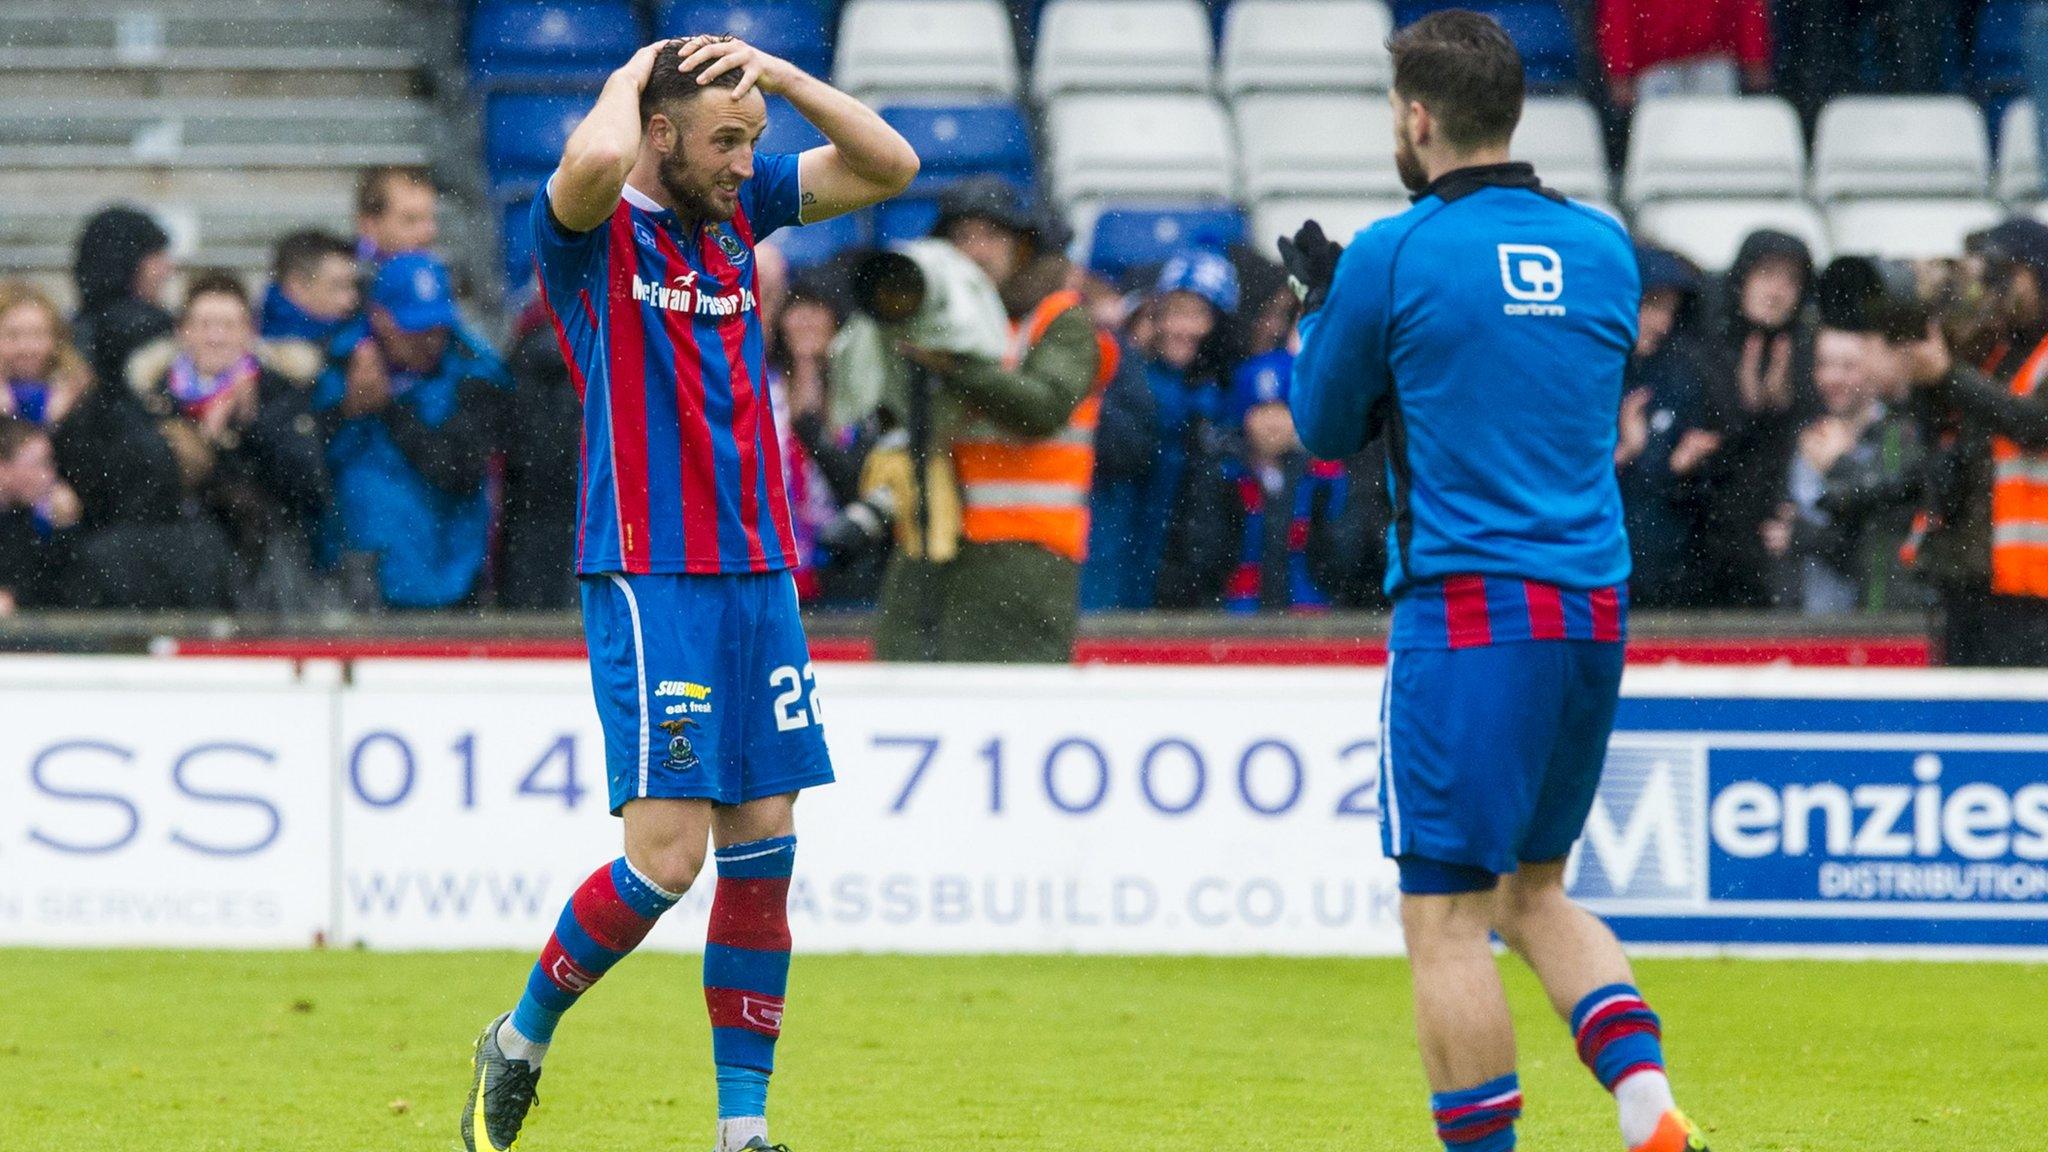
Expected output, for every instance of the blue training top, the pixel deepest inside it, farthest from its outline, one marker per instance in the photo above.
(1485, 331)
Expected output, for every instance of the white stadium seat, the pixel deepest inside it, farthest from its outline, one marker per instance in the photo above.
(1560, 135)
(1908, 229)
(1298, 145)
(1174, 147)
(1122, 46)
(1341, 217)
(1691, 146)
(2019, 154)
(1709, 232)
(1878, 146)
(893, 48)
(1304, 45)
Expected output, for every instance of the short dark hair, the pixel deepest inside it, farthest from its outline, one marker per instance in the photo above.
(212, 282)
(15, 434)
(300, 253)
(668, 85)
(1463, 67)
(373, 187)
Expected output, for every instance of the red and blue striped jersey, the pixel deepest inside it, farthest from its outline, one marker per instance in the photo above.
(659, 321)
(1473, 611)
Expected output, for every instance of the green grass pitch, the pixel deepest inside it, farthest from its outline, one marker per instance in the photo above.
(179, 1052)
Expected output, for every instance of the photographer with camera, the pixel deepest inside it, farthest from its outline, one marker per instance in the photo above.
(1000, 446)
(1981, 540)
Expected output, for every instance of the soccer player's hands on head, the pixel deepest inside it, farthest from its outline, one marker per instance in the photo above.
(1311, 262)
(718, 55)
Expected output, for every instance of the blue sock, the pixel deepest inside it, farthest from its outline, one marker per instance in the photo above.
(746, 969)
(610, 913)
(1479, 1119)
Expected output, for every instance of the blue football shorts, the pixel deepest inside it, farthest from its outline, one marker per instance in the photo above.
(1490, 756)
(704, 687)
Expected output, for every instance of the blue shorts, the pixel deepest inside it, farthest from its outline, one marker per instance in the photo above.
(1490, 756)
(703, 687)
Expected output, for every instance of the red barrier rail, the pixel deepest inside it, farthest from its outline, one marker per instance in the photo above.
(1287, 651)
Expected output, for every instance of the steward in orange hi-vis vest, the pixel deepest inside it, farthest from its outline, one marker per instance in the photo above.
(1036, 490)
(1022, 452)
(2019, 501)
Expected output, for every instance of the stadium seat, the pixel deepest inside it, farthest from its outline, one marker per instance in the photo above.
(1341, 217)
(1299, 45)
(1541, 30)
(524, 133)
(550, 43)
(1879, 146)
(1301, 145)
(1127, 236)
(2019, 154)
(953, 140)
(1691, 146)
(816, 243)
(515, 233)
(959, 48)
(1161, 147)
(799, 31)
(1560, 135)
(1708, 232)
(787, 130)
(1122, 46)
(1909, 229)
(1999, 61)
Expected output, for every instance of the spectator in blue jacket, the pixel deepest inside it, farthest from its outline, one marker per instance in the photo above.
(413, 401)
(313, 292)
(1182, 349)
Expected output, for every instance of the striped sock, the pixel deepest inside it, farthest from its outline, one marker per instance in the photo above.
(1479, 1119)
(1617, 1034)
(746, 969)
(607, 917)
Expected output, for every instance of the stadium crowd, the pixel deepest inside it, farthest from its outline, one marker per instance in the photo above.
(348, 439)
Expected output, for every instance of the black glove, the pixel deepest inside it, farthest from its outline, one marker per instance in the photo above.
(1311, 262)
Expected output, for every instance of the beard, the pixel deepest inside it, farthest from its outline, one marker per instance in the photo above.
(695, 197)
(1414, 176)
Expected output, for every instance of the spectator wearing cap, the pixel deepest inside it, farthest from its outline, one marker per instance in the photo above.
(236, 412)
(1270, 537)
(41, 372)
(37, 513)
(413, 401)
(313, 291)
(122, 268)
(1667, 434)
(1022, 453)
(1182, 345)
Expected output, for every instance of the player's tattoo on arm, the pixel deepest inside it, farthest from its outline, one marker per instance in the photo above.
(809, 198)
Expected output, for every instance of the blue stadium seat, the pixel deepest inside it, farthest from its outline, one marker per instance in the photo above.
(1541, 30)
(905, 218)
(551, 43)
(524, 132)
(955, 140)
(816, 243)
(799, 31)
(787, 130)
(1998, 64)
(517, 235)
(1133, 236)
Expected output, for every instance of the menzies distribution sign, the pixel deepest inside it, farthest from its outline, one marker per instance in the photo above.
(1877, 819)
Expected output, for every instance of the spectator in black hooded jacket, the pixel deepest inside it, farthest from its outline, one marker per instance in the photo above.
(1667, 434)
(1759, 394)
(122, 267)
